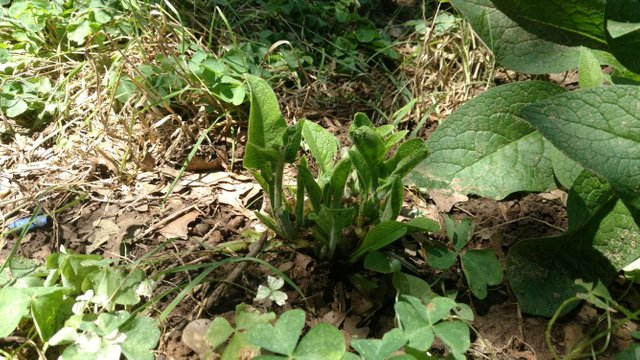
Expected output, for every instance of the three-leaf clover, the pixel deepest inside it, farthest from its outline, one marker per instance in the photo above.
(271, 291)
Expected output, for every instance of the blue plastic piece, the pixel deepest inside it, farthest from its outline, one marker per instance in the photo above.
(37, 222)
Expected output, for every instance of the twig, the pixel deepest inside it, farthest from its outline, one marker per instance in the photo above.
(218, 292)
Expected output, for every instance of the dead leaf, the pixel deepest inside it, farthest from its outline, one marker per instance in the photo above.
(148, 162)
(350, 326)
(180, 227)
(235, 194)
(200, 164)
(103, 231)
(445, 200)
(193, 337)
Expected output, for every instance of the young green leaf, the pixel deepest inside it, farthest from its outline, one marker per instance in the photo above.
(14, 305)
(459, 233)
(323, 341)
(360, 120)
(310, 185)
(218, 332)
(329, 225)
(391, 140)
(422, 224)
(409, 155)
(589, 71)
(455, 335)
(380, 349)
(411, 285)
(282, 337)
(379, 262)
(371, 146)
(394, 200)
(266, 124)
(378, 237)
(142, 336)
(291, 140)
(322, 144)
(439, 256)
(338, 181)
(362, 169)
(481, 268)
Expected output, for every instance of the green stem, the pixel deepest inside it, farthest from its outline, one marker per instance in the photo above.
(277, 207)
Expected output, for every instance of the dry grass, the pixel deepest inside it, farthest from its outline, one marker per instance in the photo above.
(446, 69)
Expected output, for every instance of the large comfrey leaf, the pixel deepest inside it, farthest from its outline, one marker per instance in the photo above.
(571, 22)
(514, 47)
(599, 128)
(603, 237)
(266, 124)
(486, 148)
(623, 31)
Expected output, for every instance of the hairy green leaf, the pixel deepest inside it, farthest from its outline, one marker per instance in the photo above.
(623, 31)
(266, 124)
(486, 147)
(337, 182)
(603, 237)
(408, 156)
(371, 146)
(291, 140)
(600, 129)
(322, 145)
(589, 72)
(565, 169)
(310, 185)
(514, 47)
(570, 22)
(328, 230)
(378, 237)
(395, 198)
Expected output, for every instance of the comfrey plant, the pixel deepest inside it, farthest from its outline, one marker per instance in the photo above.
(350, 208)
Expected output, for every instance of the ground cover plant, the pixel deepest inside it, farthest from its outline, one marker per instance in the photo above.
(311, 179)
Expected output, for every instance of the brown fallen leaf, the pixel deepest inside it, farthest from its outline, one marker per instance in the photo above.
(179, 227)
(103, 231)
(193, 337)
(200, 164)
(445, 200)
